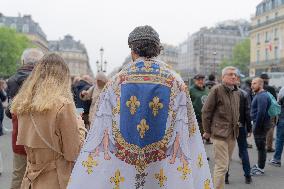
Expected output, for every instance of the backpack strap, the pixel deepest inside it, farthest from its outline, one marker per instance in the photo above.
(42, 138)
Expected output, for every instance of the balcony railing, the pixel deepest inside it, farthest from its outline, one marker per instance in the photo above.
(270, 21)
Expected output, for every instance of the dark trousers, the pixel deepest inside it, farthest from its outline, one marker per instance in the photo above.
(1, 118)
(260, 142)
(243, 152)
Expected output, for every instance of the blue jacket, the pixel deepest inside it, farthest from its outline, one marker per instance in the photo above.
(259, 112)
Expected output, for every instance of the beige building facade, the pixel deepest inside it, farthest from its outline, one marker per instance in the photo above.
(74, 53)
(267, 38)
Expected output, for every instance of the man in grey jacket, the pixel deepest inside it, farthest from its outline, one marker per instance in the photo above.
(220, 117)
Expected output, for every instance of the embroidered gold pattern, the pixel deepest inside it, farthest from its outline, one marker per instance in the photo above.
(142, 128)
(155, 105)
(147, 66)
(117, 179)
(132, 104)
(207, 184)
(90, 163)
(200, 161)
(161, 177)
(185, 171)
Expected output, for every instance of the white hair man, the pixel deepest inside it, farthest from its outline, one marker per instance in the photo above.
(220, 117)
(29, 58)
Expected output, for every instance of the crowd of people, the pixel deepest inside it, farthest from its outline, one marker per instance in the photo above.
(142, 128)
(232, 111)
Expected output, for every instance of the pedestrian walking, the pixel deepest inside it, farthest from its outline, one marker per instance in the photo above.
(29, 59)
(220, 119)
(245, 130)
(3, 97)
(261, 123)
(49, 128)
(198, 94)
(93, 94)
(276, 160)
(270, 133)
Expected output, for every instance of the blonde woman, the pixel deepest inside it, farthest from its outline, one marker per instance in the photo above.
(49, 128)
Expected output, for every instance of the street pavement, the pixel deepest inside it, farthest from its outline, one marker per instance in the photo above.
(273, 179)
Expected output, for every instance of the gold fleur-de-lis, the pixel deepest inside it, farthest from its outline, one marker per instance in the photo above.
(116, 109)
(90, 164)
(161, 178)
(193, 130)
(117, 179)
(184, 171)
(155, 105)
(142, 128)
(207, 184)
(132, 104)
(200, 161)
(147, 66)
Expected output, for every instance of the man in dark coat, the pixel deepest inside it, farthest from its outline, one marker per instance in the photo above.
(29, 58)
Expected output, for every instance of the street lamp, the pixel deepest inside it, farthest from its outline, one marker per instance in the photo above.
(214, 61)
(101, 65)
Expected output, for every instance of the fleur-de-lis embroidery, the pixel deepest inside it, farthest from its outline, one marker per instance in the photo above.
(155, 105)
(207, 184)
(117, 179)
(147, 66)
(132, 104)
(90, 164)
(184, 171)
(116, 109)
(142, 128)
(161, 178)
(193, 130)
(200, 161)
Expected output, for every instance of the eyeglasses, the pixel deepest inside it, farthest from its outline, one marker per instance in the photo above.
(231, 74)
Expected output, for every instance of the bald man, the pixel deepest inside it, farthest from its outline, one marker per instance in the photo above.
(261, 119)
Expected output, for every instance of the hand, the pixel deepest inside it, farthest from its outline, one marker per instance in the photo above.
(206, 135)
(84, 93)
(249, 134)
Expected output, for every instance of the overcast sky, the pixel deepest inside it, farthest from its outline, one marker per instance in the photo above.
(107, 23)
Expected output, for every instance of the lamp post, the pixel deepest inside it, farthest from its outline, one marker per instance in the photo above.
(101, 65)
(214, 61)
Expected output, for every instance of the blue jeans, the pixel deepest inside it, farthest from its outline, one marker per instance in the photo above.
(279, 140)
(243, 152)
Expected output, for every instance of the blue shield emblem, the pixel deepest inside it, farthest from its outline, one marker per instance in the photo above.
(143, 112)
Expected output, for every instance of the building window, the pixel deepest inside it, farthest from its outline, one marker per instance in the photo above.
(276, 14)
(266, 37)
(276, 53)
(258, 38)
(257, 56)
(276, 34)
(25, 28)
(267, 18)
(266, 55)
(258, 22)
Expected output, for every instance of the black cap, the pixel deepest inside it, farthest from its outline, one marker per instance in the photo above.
(264, 76)
(199, 76)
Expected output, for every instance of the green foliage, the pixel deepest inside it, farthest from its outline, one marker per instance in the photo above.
(241, 57)
(12, 45)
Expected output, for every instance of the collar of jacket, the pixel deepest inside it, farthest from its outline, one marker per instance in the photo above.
(198, 88)
(228, 89)
(26, 67)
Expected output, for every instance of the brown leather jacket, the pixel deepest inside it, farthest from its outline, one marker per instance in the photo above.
(220, 113)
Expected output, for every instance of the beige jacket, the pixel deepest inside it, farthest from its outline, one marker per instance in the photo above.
(47, 168)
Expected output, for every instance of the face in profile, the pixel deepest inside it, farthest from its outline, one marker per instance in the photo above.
(256, 85)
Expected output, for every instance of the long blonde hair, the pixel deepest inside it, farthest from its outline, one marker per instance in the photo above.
(48, 84)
